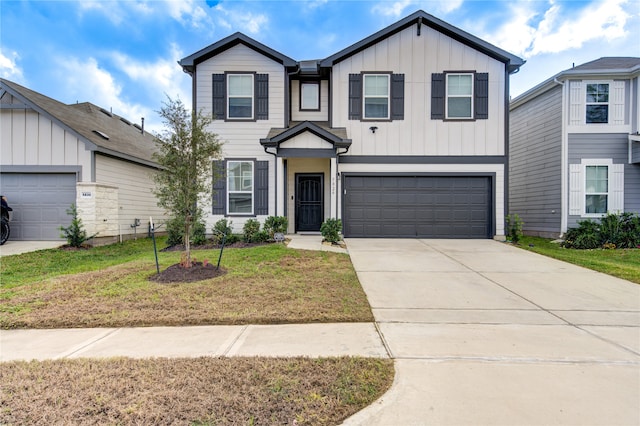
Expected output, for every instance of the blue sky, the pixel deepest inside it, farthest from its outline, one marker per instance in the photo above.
(122, 54)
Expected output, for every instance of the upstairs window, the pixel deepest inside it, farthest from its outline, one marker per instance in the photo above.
(459, 96)
(597, 103)
(240, 96)
(310, 96)
(376, 96)
(596, 189)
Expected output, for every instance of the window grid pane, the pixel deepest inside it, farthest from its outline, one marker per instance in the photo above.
(240, 186)
(596, 189)
(459, 96)
(376, 96)
(597, 103)
(240, 96)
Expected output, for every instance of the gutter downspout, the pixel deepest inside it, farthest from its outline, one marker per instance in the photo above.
(338, 195)
(564, 158)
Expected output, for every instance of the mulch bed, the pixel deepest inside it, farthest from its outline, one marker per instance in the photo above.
(197, 272)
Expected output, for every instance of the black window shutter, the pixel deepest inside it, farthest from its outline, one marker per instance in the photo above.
(397, 96)
(355, 96)
(262, 96)
(219, 188)
(262, 188)
(437, 96)
(219, 96)
(481, 96)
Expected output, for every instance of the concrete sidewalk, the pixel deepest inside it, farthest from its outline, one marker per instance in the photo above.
(311, 340)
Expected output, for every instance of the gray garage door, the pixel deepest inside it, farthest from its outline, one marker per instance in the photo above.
(417, 206)
(39, 203)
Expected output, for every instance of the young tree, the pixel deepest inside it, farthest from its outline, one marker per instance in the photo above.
(185, 154)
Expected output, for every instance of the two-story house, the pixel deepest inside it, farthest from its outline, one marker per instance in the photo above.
(402, 134)
(575, 148)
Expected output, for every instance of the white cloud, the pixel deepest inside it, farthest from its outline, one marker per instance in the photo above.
(391, 9)
(243, 20)
(189, 13)
(110, 9)
(85, 81)
(9, 68)
(560, 28)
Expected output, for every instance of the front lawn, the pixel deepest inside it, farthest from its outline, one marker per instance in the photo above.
(109, 287)
(621, 263)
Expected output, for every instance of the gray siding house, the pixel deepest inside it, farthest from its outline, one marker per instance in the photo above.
(575, 146)
(402, 134)
(53, 154)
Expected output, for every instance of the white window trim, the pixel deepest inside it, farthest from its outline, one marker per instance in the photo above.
(253, 94)
(596, 162)
(447, 96)
(364, 97)
(242, 179)
(608, 103)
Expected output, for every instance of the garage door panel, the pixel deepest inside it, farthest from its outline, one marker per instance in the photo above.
(417, 206)
(40, 202)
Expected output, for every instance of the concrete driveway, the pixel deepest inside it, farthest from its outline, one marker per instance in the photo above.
(17, 247)
(485, 333)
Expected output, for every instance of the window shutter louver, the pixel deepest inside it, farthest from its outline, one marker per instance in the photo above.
(616, 194)
(262, 96)
(397, 96)
(219, 188)
(437, 96)
(262, 188)
(355, 96)
(481, 96)
(219, 96)
(575, 189)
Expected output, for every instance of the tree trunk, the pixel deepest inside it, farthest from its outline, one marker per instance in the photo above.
(187, 240)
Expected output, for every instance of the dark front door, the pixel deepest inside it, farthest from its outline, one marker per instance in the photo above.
(309, 205)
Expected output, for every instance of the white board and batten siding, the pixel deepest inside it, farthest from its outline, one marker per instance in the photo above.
(417, 57)
(28, 138)
(245, 135)
(134, 185)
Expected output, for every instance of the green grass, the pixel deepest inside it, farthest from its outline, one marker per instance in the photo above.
(623, 263)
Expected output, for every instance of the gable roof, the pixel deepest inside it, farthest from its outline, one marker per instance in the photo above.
(188, 63)
(98, 128)
(336, 136)
(605, 67)
(419, 18)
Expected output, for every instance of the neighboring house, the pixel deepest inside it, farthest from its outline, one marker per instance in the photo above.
(575, 147)
(402, 134)
(53, 155)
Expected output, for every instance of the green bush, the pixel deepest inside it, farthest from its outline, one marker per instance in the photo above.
(330, 230)
(199, 233)
(220, 229)
(613, 230)
(261, 237)
(175, 232)
(514, 228)
(275, 224)
(75, 234)
(250, 230)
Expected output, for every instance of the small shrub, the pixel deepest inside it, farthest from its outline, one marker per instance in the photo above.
(261, 237)
(75, 234)
(612, 231)
(330, 230)
(585, 236)
(220, 229)
(175, 232)
(199, 233)
(514, 228)
(275, 224)
(250, 230)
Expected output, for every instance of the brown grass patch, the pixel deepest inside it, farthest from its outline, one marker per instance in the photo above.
(216, 391)
(263, 285)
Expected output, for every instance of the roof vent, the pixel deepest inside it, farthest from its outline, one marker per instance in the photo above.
(124, 120)
(106, 112)
(102, 135)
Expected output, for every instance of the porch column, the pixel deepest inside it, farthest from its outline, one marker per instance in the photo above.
(334, 188)
(281, 183)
